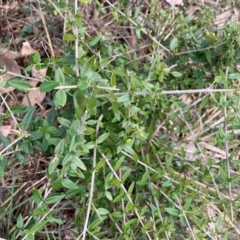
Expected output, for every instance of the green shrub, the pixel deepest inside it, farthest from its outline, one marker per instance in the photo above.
(111, 134)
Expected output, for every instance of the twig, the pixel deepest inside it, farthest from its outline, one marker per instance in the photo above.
(22, 76)
(175, 92)
(75, 31)
(46, 30)
(227, 150)
(83, 235)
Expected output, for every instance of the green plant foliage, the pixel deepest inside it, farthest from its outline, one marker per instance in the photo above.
(110, 136)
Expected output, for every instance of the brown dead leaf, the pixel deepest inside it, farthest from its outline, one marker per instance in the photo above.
(26, 50)
(10, 54)
(226, 17)
(39, 74)
(186, 99)
(33, 97)
(68, 236)
(10, 7)
(222, 19)
(5, 130)
(32, 19)
(57, 52)
(10, 66)
(174, 2)
(132, 38)
(192, 9)
(212, 211)
(35, 31)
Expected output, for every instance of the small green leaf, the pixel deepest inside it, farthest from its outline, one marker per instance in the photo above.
(173, 211)
(20, 221)
(109, 195)
(79, 103)
(125, 175)
(88, 67)
(102, 138)
(113, 79)
(234, 75)
(148, 86)
(1, 171)
(119, 163)
(128, 149)
(36, 196)
(68, 158)
(78, 162)
(36, 135)
(28, 118)
(115, 14)
(174, 43)
(145, 176)
(112, 97)
(91, 105)
(89, 131)
(219, 223)
(167, 183)
(131, 188)
(118, 198)
(48, 86)
(51, 219)
(21, 158)
(83, 84)
(68, 37)
(60, 98)
(68, 184)
(116, 182)
(72, 143)
(67, 70)
(59, 76)
(94, 225)
(94, 41)
(54, 198)
(78, 19)
(74, 192)
(28, 68)
(117, 215)
(204, 101)
(108, 181)
(236, 178)
(64, 122)
(2, 83)
(100, 164)
(53, 164)
(208, 55)
(138, 31)
(19, 84)
(36, 58)
(38, 226)
(124, 98)
(176, 74)
(218, 79)
(102, 211)
(130, 222)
